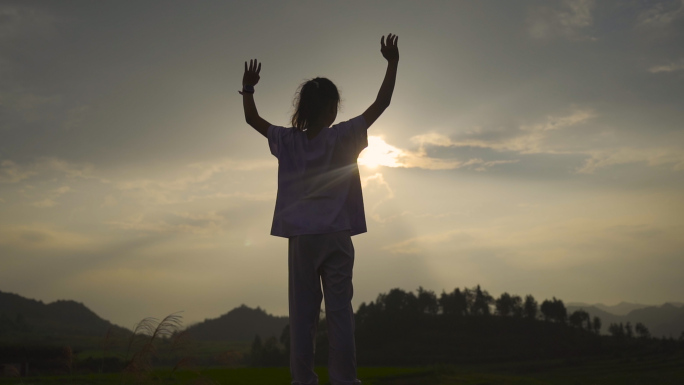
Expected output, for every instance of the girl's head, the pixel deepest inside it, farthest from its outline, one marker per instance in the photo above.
(316, 103)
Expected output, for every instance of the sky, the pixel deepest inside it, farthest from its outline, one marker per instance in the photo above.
(531, 147)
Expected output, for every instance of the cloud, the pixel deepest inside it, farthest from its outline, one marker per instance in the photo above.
(174, 222)
(670, 67)
(193, 184)
(23, 20)
(527, 139)
(655, 156)
(662, 14)
(564, 242)
(376, 189)
(43, 237)
(11, 172)
(567, 21)
(380, 153)
(44, 203)
(53, 194)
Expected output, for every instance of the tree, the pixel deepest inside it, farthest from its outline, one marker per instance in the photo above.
(579, 318)
(597, 325)
(628, 330)
(453, 303)
(285, 338)
(642, 331)
(481, 302)
(271, 355)
(505, 305)
(517, 306)
(256, 353)
(530, 307)
(427, 301)
(616, 330)
(554, 310)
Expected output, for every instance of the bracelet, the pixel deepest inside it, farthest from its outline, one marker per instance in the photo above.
(248, 89)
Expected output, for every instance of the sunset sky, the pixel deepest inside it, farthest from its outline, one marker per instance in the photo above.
(531, 147)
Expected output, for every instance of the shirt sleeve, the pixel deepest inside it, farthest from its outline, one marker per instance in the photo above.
(275, 139)
(354, 134)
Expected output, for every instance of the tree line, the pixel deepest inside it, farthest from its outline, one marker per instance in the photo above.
(401, 326)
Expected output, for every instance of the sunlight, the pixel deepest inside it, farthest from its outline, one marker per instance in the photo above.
(379, 153)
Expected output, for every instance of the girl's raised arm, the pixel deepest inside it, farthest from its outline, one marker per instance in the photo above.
(249, 80)
(390, 51)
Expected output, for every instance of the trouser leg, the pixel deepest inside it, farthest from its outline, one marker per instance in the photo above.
(304, 292)
(336, 274)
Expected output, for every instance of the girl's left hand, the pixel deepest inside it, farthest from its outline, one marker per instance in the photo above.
(251, 76)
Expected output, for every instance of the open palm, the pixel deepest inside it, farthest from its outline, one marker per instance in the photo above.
(390, 51)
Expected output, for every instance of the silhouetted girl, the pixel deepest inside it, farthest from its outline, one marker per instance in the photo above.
(319, 207)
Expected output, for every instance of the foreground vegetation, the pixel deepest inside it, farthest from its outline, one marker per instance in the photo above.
(652, 370)
(463, 337)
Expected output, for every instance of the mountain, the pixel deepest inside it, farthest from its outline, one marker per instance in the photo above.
(623, 308)
(239, 324)
(662, 321)
(23, 316)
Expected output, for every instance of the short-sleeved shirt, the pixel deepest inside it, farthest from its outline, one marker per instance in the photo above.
(319, 187)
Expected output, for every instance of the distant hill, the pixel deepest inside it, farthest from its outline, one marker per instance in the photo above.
(623, 308)
(662, 321)
(239, 324)
(21, 316)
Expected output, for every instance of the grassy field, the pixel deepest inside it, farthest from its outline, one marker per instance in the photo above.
(651, 371)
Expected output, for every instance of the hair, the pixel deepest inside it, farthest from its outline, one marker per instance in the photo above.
(312, 99)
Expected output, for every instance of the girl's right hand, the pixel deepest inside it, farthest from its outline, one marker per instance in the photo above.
(390, 51)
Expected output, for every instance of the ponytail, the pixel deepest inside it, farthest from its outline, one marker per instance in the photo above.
(312, 99)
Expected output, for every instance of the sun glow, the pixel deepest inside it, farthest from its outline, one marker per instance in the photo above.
(379, 153)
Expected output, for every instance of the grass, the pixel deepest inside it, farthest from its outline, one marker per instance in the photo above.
(652, 370)
(146, 344)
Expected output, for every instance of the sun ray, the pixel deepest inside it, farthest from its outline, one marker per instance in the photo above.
(379, 153)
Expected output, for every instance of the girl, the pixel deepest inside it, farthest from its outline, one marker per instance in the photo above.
(319, 207)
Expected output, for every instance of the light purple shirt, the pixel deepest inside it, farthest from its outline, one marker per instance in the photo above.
(319, 187)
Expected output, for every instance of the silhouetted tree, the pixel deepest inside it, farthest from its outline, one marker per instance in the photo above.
(628, 330)
(554, 310)
(597, 325)
(453, 303)
(504, 305)
(578, 318)
(509, 305)
(396, 302)
(285, 338)
(617, 330)
(427, 301)
(271, 355)
(255, 355)
(642, 331)
(481, 302)
(530, 307)
(517, 306)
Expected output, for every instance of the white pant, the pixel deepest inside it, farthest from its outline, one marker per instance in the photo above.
(312, 259)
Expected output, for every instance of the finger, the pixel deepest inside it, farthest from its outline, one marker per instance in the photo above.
(396, 40)
(245, 66)
(382, 41)
(259, 69)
